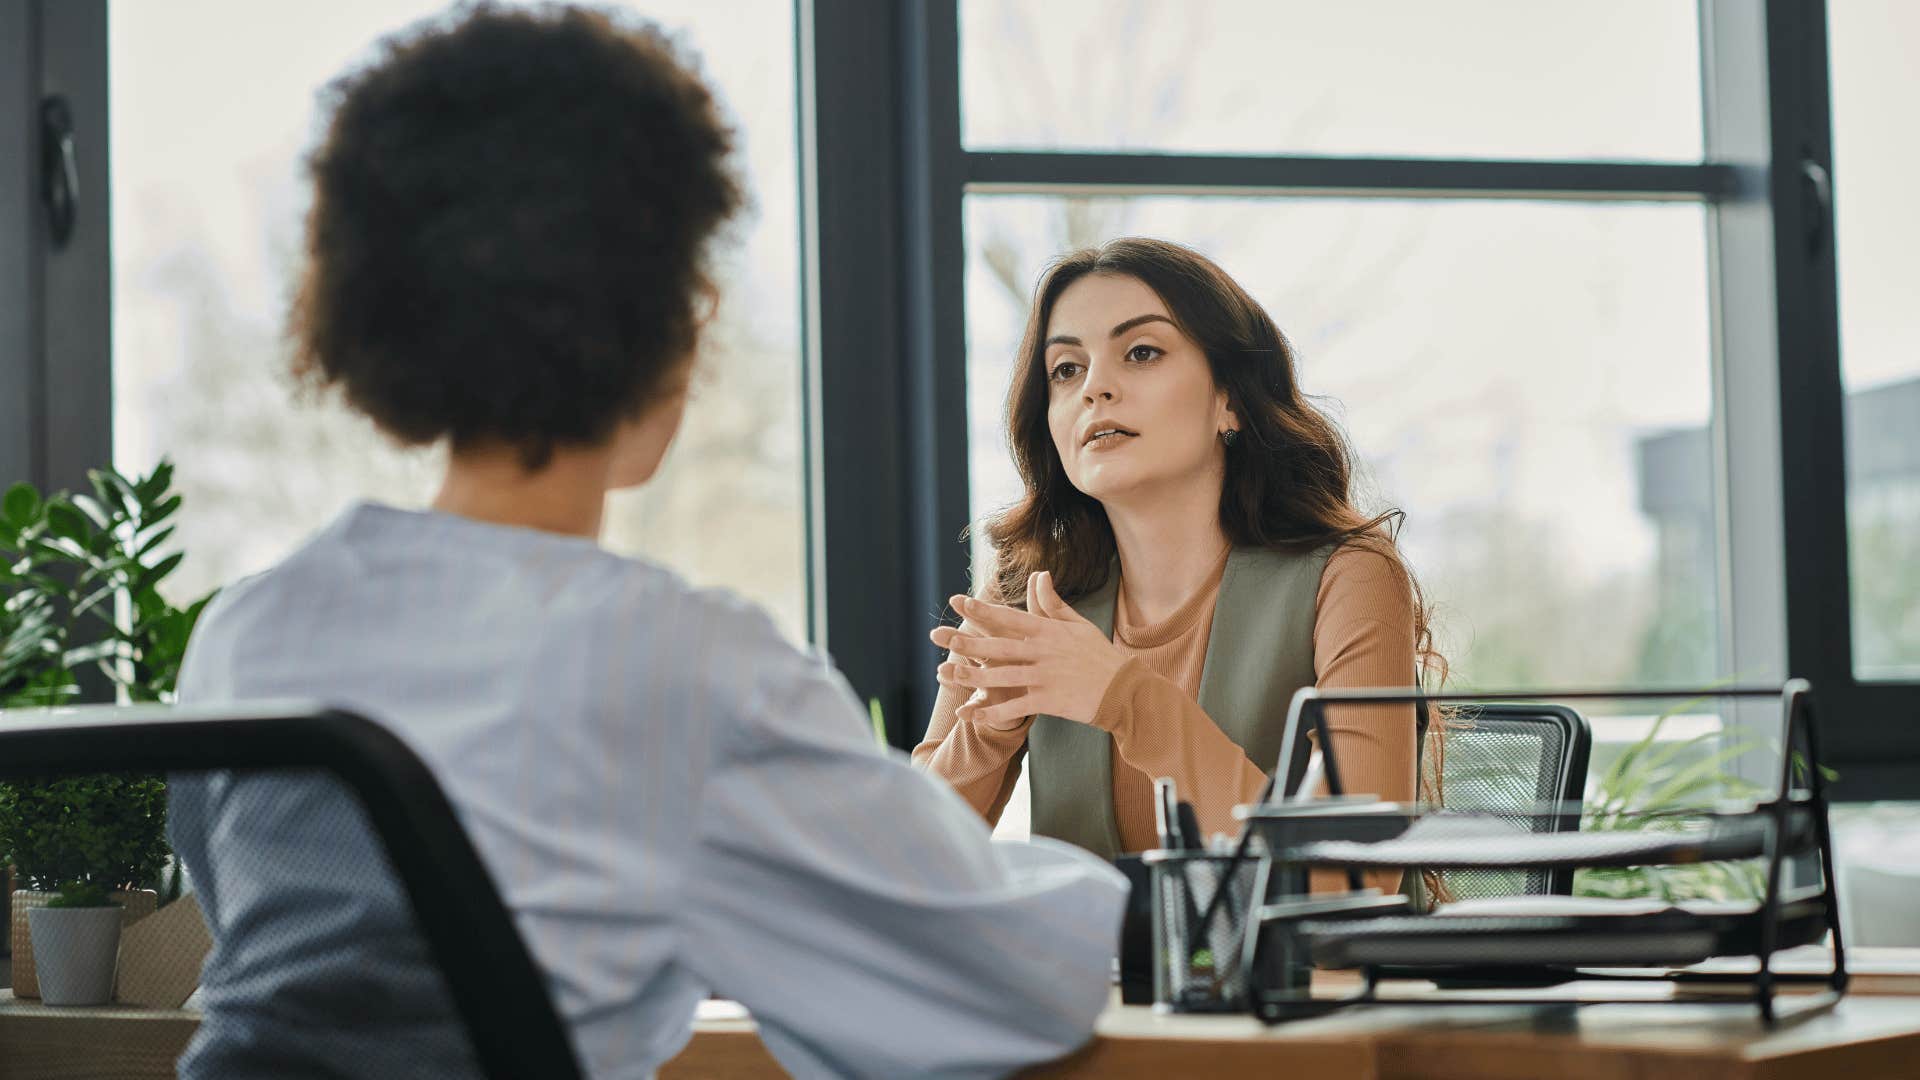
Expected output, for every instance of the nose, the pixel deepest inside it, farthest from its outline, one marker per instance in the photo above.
(1101, 383)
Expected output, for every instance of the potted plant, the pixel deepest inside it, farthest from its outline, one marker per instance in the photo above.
(77, 938)
(81, 616)
(90, 842)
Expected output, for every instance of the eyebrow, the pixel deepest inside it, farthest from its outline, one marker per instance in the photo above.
(1137, 320)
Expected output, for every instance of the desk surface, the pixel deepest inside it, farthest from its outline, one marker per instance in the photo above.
(1873, 1032)
(1857, 1038)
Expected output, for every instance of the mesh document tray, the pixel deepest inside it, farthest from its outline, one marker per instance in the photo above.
(1522, 947)
(1672, 937)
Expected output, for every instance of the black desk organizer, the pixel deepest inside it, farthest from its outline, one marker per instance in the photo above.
(1381, 937)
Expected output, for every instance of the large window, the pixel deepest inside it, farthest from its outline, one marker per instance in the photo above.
(1530, 380)
(1564, 271)
(1874, 87)
(208, 201)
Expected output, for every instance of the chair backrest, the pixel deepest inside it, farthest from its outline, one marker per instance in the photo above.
(1505, 758)
(283, 771)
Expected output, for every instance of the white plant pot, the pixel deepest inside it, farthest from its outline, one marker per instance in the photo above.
(75, 951)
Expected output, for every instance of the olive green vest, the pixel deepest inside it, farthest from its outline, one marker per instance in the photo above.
(1259, 651)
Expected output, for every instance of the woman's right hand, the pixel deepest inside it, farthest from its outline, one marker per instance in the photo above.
(980, 697)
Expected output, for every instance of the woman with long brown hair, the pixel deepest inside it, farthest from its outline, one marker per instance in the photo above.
(1187, 555)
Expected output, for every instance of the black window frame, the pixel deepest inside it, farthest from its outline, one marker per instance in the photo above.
(56, 302)
(1778, 398)
(883, 177)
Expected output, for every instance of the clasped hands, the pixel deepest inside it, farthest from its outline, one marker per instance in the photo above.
(1046, 659)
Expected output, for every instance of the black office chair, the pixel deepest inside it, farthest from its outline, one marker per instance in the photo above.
(456, 983)
(1506, 759)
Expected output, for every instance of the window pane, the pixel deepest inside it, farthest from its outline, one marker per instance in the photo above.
(1529, 381)
(209, 198)
(1874, 86)
(1399, 78)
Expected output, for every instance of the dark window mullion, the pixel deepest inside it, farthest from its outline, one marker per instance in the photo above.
(853, 295)
(1187, 174)
(1872, 729)
(56, 316)
(20, 232)
(937, 498)
(78, 296)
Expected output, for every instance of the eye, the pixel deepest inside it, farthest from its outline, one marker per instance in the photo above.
(1140, 354)
(1064, 370)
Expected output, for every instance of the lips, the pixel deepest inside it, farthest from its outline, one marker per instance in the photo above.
(1102, 431)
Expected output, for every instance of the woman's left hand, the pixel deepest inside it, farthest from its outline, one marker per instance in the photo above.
(1047, 659)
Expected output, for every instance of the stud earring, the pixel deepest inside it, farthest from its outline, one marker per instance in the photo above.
(1230, 437)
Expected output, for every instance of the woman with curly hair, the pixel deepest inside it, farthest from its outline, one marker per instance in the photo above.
(506, 257)
(1187, 555)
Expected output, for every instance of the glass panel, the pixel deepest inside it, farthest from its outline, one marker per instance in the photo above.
(1874, 86)
(1529, 381)
(208, 202)
(1399, 78)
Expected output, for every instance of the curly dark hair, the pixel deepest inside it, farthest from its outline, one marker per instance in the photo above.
(508, 238)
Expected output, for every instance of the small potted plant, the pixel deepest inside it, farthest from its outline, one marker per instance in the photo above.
(85, 845)
(82, 618)
(76, 945)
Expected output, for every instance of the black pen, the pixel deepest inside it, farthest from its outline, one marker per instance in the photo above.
(1189, 823)
(1166, 817)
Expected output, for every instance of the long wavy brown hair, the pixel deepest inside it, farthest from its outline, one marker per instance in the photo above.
(1289, 474)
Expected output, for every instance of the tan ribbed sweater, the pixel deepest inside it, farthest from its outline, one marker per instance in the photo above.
(1362, 636)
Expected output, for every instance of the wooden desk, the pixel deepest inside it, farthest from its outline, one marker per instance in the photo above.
(1858, 1039)
(1874, 1032)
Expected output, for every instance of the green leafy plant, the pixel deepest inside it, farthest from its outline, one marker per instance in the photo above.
(80, 606)
(81, 578)
(102, 832)
(1656, 786)
(81, 894)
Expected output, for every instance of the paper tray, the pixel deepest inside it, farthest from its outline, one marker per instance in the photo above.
(1669, 938)
(1462, 841)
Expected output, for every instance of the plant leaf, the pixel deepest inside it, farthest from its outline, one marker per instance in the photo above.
(94, 509)
(150, 577)
(21, 505)
(67, 523)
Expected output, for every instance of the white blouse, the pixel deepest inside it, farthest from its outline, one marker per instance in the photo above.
(673, 801)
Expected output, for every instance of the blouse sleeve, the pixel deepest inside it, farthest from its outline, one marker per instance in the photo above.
(1363, 637)
(980, 762)
(1160, 730)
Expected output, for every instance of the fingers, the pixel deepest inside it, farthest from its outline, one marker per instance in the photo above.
(1049, 601)
(998, 619)
(973, 675)
(979, 648)
(979, 700)
(1004, 714)
(1033, 595)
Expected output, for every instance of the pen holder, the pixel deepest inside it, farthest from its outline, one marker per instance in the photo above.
(1200, 968)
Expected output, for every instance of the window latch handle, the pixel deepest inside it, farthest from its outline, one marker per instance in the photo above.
(59, 169)
(1817, 200)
